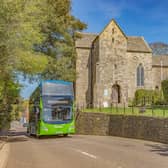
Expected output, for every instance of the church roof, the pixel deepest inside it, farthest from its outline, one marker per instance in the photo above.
(86, 40)
(160, 59)
(134, 44)
(137, 44)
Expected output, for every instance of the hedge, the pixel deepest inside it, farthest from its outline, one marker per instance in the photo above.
(144, 96)
(165, 89)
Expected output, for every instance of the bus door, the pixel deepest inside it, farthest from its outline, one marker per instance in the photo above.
(37, 118)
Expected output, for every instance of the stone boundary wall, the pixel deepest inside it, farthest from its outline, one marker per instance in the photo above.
(138, 127)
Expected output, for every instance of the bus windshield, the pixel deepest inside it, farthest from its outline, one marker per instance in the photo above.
(57, 109)
(57, 113)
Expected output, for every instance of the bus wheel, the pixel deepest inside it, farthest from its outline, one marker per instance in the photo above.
(38, 136)
(65, 135)
(29, 132)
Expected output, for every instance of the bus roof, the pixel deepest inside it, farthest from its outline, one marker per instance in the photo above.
(51, 81)
(56, 81)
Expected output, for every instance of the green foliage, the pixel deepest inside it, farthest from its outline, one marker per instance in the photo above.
(32, 63)
(60, 69)
(36, 38)
(25, 24)
(19, 30)
(165, 89)
(60, 29)
(9, 93)
(158, 111)
(143, 96)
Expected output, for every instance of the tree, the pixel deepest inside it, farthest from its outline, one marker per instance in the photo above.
(60, 29)
(24, 24)
(9, 93)
(19, 30)
(36, 38)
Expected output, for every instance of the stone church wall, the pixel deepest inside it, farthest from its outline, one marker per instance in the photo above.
(107, 64)
(110, 66)
(134, 59)
(158, 76)
(82, 82)
(94, 69)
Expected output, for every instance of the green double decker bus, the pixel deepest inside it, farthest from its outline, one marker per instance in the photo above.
(51, 109)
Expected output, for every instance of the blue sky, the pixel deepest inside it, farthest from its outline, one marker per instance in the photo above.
(146, 18)
(28, 87)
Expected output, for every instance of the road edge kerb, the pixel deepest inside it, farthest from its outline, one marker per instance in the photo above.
(4, 154)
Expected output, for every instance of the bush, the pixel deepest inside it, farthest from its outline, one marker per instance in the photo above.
(143, 97)
(165, 90)
(161, 102)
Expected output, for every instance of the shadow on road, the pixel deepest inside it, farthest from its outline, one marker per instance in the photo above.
(17, 139)
(16, 133)
(50, 137)
(16, 136)
(161, 149)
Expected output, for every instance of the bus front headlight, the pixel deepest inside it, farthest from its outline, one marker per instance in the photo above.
(71, 127)
(44, 128)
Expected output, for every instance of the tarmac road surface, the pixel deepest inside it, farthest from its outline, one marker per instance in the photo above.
(82, 151)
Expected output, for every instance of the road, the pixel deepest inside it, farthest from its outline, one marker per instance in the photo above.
(79, 151)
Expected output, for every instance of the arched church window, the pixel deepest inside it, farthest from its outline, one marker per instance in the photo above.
(140, 75)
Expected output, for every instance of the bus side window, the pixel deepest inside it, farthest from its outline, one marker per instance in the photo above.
(37, 112)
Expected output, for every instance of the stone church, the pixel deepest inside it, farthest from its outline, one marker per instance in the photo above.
(111, 66)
